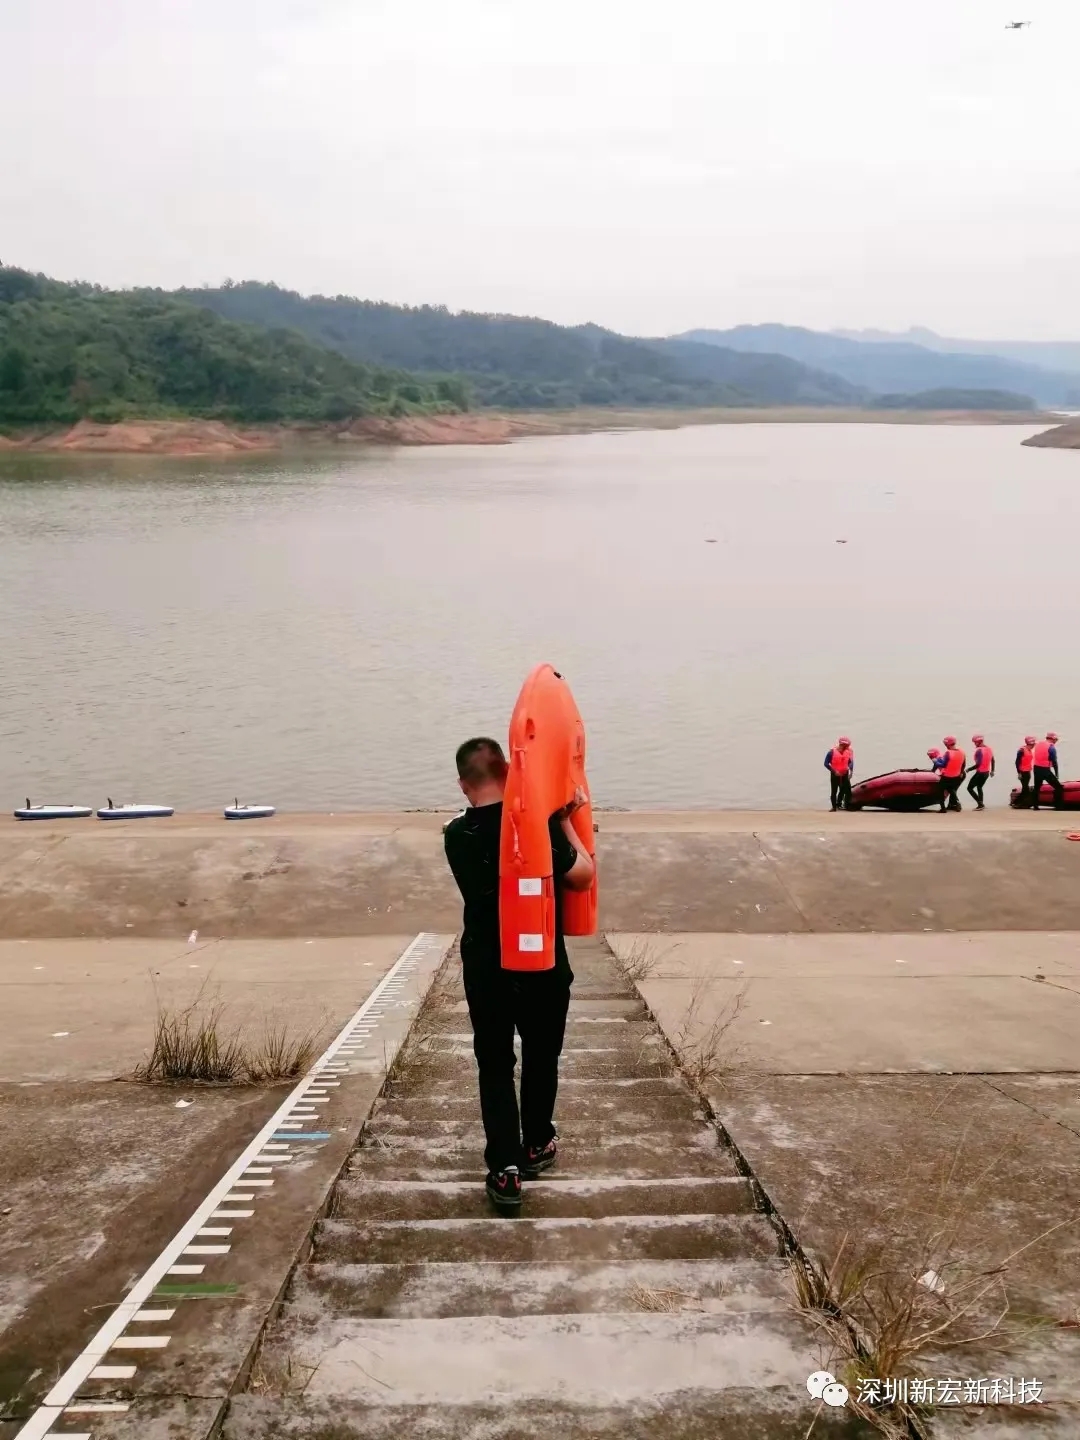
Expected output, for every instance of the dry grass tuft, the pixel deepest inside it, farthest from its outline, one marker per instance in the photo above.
(193, 1045)
(663, 1302)
(708, 1055)
(281, 1377)
(920, 1288)
(643, 957)
(280, 1055)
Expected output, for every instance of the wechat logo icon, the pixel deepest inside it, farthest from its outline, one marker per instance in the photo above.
(826, 1388)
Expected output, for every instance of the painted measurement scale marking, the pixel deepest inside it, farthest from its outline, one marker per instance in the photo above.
(233, 1187)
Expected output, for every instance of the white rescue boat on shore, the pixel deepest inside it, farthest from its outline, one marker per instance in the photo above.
(133, 812)
(236, 811)
(53, 812)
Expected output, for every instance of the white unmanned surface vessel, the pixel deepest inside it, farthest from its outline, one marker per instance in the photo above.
(133, 812)
(54, 812)
(236, 811)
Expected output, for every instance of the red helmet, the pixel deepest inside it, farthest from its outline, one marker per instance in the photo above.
(949, 741)
(1051, 737)
(934, 754)
(1030, 740)
(843, 742)
(978, 740)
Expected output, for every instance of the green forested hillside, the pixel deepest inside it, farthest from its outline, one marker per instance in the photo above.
(514, 362)
(71, 351)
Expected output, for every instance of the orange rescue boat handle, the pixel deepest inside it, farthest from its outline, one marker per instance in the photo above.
(547, 765)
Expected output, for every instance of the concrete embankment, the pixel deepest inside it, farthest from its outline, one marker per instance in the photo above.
(325, 876)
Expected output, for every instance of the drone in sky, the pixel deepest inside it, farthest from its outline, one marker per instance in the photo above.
(1017, 24)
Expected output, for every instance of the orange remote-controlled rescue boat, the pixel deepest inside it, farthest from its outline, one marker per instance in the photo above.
(547, 766)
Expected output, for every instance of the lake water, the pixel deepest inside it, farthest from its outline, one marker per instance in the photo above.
(321, 633)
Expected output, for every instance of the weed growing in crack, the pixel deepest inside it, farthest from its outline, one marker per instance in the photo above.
(708, 1055)
(193, 1044)
(641, 956)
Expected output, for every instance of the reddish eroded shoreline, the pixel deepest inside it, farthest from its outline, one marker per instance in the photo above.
(216, 437)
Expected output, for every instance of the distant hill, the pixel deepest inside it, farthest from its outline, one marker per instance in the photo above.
(897, 367)
(70, 352)
(1060, 355)
(516, 362)
(1004, 400)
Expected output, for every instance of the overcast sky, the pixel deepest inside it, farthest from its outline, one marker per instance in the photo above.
(648, 164)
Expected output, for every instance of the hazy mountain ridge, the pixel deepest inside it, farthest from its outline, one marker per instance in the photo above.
(520, 362)
(898, 366)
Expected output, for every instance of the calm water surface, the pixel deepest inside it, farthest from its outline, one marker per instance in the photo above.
(320, 634)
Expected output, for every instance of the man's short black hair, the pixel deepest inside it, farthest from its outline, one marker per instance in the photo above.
(479, 760)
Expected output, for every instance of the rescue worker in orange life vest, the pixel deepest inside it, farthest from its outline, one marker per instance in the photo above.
(1023, 768)
(1044, 771)
(840, 763)
(983, 768)
(951, 768)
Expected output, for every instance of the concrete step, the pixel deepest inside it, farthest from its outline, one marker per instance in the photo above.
(371, 1200)
(739, 1414)
(678, 1151)
(612, 1108)
(591, 1359)
(458, 1071)
(629, 1237)
(578, 1287)
(452, 1062)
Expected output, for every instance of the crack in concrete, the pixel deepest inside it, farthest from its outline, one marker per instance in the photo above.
(780, 881)
(1019, 1099)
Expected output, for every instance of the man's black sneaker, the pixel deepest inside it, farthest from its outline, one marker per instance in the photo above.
(538, 1158)
(504, 1187)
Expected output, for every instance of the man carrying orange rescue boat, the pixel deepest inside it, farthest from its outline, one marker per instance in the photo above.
(520, 1143)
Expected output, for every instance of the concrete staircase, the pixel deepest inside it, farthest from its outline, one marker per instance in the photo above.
(638, 1295)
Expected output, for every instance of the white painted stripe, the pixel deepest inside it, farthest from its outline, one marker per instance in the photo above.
(209, 1230)
(258, 1170)
(112, 1372)
(207, 1249)
(93, 1407)
(140, 1342)
(236, 1195)
(85, 1364)
(267, 1167)
(232, 1214)
(157, 1315)
(268, 1149)
(40, 1422)
(291, 1125)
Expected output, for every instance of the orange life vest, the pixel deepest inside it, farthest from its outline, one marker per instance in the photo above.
(546, 765)
(1040, 756)
(954, 763)
(1025, 760)
(840, 761)
(986, 760)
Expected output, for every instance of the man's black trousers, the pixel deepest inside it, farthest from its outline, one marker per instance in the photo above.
(1043, 775)
(535, 1005)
